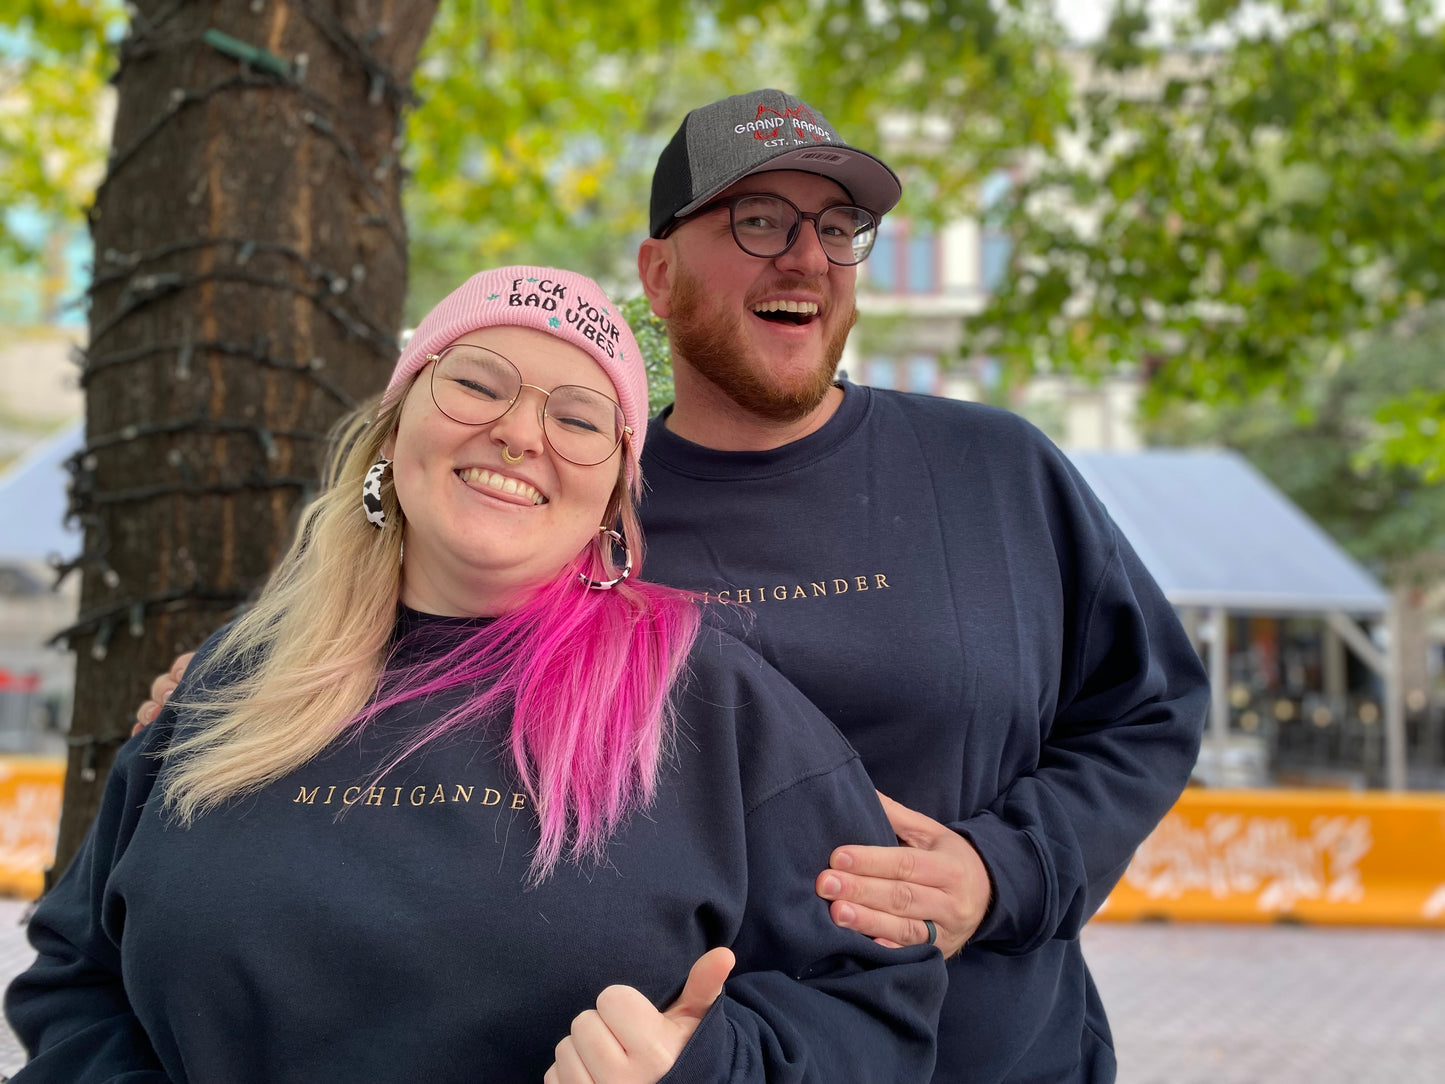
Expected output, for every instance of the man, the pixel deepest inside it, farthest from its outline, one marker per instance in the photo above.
(933, 574)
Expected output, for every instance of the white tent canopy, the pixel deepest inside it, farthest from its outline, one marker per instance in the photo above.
(1220, 538)
(1215, 532)
(34, 492)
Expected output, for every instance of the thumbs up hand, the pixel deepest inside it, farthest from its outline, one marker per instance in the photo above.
(626, 1040)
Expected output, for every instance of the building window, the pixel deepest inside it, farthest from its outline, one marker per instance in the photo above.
(924, 376)
(882, 262)
(906, 259)
(995, 245)
(881, 371)
(919, 373)
(923, 263)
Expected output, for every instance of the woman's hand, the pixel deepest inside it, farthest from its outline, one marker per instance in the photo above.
(625, 1040)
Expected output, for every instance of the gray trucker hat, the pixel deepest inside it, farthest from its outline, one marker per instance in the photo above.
(723, 142)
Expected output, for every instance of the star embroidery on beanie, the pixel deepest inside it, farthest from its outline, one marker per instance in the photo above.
(554, 322)
(531, 280)
(493, 297)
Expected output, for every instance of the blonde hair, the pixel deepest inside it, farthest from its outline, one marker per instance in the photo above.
(317, 638)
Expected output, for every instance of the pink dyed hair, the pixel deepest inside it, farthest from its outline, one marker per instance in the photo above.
(588, 676)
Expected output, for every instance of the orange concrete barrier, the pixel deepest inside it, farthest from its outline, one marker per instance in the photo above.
(30, 793)
(1219, 856)
(1311, 856)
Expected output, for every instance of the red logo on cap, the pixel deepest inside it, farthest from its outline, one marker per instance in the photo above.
(797, 113)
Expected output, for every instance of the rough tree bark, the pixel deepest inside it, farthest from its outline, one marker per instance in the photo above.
(250, 271)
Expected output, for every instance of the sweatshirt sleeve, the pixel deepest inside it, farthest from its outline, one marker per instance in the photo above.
(808, 1002)
(1119, 749)
(70, 1009)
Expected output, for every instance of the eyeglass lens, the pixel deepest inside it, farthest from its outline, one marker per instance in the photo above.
(475, 386)
(767, 225)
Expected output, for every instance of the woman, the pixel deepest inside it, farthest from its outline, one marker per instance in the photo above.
(456, 775)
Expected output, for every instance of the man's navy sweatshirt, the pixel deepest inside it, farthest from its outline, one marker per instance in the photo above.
(938, 579)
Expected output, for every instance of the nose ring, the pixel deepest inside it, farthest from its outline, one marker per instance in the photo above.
(509, 457)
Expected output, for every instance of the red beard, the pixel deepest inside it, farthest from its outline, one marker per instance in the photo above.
(713, 346)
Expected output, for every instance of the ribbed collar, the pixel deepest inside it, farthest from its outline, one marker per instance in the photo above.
(666, 450)
(420, 637)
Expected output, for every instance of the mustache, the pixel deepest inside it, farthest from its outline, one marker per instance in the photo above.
(785, 284)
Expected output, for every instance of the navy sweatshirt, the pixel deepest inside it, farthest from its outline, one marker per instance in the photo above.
(939, 580)
(327, 929)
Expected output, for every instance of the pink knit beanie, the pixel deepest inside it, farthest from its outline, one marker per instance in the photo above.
(561, 303)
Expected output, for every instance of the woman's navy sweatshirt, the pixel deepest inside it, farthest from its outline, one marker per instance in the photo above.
(337, 928)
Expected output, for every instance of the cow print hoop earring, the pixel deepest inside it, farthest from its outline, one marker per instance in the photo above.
(371, 493)
(606, 537)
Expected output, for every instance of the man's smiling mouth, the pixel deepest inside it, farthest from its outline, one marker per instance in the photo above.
(797, 313)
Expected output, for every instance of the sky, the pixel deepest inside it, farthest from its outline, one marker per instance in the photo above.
(1084, 19)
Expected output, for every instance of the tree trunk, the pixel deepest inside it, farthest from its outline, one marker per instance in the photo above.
(250, 269)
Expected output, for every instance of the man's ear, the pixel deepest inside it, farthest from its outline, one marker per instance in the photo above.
(654, 268)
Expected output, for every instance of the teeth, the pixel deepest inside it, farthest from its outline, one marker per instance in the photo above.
(477, 476)
(807, 308)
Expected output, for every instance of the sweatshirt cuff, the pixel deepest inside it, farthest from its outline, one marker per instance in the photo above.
(708, 1055)
(1019, 878)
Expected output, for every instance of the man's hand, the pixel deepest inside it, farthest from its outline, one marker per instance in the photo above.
(161, 689)
(887, 892)
(625, 1040)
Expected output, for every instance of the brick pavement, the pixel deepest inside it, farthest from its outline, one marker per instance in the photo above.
(1211, 1004)
(1194, 1004)
(15, 957)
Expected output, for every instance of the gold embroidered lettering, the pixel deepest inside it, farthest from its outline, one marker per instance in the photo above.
(490, 796)
(307, 799)
(745, 594)
(519, 801)
(463, 794)
(329, 792)
(820, 587)
(837, 590)
(862, 582)
(880, 580)
(722, 596)
(347, 799)
(438, 795)
(780, 593)
(418, 794)
(798, 591)
(375, 796)
(396, 799)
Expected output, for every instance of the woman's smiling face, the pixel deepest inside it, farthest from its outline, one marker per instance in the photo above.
(481, 531)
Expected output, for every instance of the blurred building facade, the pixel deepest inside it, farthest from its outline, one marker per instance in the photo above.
(41, 323)
(40, 411)
(914, 292)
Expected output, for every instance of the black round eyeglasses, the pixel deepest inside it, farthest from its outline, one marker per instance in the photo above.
(766, 226)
